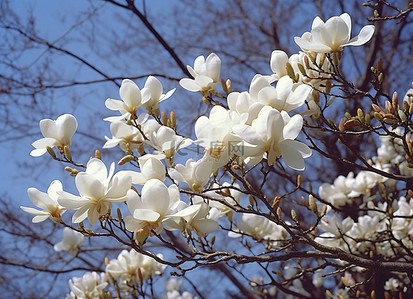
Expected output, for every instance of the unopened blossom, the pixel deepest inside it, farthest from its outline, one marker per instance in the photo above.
(131, 99)
(195, 173)
(71, 241)
(47, 202)
(333, 35)
(272, 135)
(155, 89)
(91, 285)
(57, 132)
(128, 264)
(205, 74)
(97, 188)
(155, 205)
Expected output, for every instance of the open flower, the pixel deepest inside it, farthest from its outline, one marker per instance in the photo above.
(57, 132)
(132, 99)
(91, 285)
(97, 190)
(194, 218)
(205, 73)
(195, 173)
(47, 202)
(272, 134)
(155, 205)
(129, 263)
(71, 241)
(333, 35)
(126, 136)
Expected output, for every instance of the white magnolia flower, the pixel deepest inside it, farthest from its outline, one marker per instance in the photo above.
(155, 89)
(71, 241)
(195, 173)
(97, 190)
(126, 136)
(215, 134)
(272, 135)
(156, 204)
(165, 141)
(57, 132)
(334, 231)
(129, 263)
(226, 199)
(333, 35)
(194, 218)
(47, 202)
(205, 73)
(132, 99)
(260, 228)
(91, 285)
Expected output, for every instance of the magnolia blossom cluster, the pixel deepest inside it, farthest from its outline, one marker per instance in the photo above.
(131, 269)
(246, 128)
(126, 273)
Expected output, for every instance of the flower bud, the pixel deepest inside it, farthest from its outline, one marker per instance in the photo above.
(164, 118)
(360, 115)
(119, 215)
(378, 116)
(224, 85)
(347, 115)
(229, 85)
(312, 204)
(125, 159)
(279, 212)
(395, 100)
(379, 65)
(290, 71)
(51, 152)
(98, 155)
(367, 119)
(173, 120)
(376, 108)
(389, 107)
(301, 68)
(306, 61)
(67, 153)
(329, 294)
(294, 216)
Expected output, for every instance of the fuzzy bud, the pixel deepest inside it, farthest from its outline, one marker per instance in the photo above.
(51, 152)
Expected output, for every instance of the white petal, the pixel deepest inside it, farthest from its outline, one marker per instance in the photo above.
(190, 84)
(364, 36)
(89, 186)
(293, 127)
(278, 62)
(130, 93)
(146, 215)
